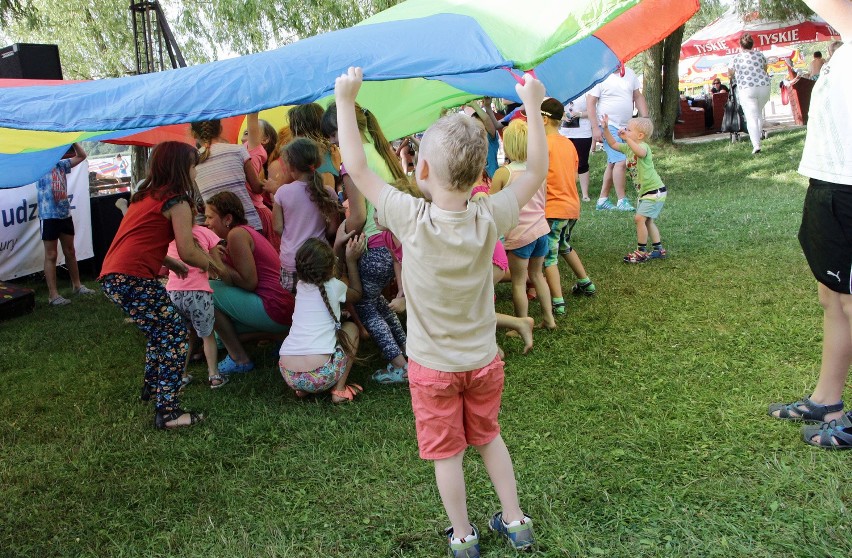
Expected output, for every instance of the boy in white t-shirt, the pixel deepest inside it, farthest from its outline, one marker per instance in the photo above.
(455, 374)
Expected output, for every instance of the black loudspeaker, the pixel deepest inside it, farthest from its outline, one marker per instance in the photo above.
(106, 218)
(29, 61)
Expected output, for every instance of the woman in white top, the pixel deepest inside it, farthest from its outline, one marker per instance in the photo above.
(577, 128)
(752, 87)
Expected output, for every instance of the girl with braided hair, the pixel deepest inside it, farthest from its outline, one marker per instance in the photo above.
(303, 209)
(319, 351)
(224, 167)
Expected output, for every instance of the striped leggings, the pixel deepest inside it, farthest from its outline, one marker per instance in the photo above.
(147, 303)
(376, 270)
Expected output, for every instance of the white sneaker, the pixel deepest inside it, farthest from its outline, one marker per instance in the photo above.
(84, 290)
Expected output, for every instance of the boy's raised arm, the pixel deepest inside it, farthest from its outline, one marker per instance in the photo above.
(607, 135)
(532, 94)
(354, 159)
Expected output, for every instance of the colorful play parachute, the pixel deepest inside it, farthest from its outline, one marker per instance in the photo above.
(419, 57)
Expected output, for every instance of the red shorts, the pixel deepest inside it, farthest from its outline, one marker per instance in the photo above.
(453, 410)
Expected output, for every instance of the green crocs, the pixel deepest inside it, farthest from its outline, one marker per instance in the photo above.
(587, 289)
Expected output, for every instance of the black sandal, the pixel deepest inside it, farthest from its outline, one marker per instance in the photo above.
(147, 393)
(162, 418)
(804, 410)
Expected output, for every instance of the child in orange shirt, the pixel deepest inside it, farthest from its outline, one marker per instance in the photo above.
(562, 208)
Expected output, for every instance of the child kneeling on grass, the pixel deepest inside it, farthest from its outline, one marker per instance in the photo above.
(319, 351)
(455, 374)
(652, 191)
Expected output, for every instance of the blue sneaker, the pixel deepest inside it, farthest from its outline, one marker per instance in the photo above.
(518, 533)
(658, 254)
(605, 205)
(228, 366)
(391, 375)
(467, 547)
(624, 205)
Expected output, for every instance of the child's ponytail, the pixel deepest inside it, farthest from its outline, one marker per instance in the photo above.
(315, 264)
(369, 127)
(342, 339)
(303, 154)
(205, 132)
(383, 147)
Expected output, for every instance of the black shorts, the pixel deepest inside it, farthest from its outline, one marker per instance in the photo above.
(826, 234)
(51, 229)
(583, 147)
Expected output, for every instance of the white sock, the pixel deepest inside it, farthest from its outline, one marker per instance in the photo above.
(601, 200)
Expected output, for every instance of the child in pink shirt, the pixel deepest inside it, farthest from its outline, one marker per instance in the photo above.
(193, 299)
(304, 208)
(260, 138)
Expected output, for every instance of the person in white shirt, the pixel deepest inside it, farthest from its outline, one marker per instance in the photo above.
(320, 348)
(826, 221)
(615, 96)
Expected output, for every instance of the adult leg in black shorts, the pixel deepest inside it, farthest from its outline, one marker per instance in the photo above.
(583, 147)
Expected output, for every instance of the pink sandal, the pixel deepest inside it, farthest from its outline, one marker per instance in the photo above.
(636, 256)
(347, 394)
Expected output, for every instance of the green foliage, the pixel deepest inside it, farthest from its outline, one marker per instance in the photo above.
(637, 429)
(95, 38)
(774, 9)
(16, 10)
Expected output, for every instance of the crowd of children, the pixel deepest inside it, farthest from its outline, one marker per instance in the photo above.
(303, 241)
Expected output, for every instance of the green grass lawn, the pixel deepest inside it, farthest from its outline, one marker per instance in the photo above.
(638, 428)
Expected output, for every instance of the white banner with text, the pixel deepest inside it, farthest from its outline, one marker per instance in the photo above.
(21, 248)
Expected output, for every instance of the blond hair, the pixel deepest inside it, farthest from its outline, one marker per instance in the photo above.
(456, 148)
(643, 125)
(515, 140)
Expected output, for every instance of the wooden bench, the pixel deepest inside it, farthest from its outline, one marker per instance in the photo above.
(692, 122)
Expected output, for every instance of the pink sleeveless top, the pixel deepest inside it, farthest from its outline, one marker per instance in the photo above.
(531, 222)
(500, 259)
(277, 302)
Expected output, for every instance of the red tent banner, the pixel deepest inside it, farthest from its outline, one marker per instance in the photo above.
(722, 37)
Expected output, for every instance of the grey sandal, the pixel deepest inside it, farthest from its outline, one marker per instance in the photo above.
(835, 434)
(220, 379)
(804, 410)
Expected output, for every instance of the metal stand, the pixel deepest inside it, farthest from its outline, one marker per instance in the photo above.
(153, 38)
(153, 41)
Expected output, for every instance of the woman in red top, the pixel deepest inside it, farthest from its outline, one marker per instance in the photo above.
(159, 212)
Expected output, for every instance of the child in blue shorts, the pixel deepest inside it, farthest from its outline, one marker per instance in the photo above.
(652, 191)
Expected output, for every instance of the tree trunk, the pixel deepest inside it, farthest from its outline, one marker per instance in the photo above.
(660, 84)
(139, 170)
